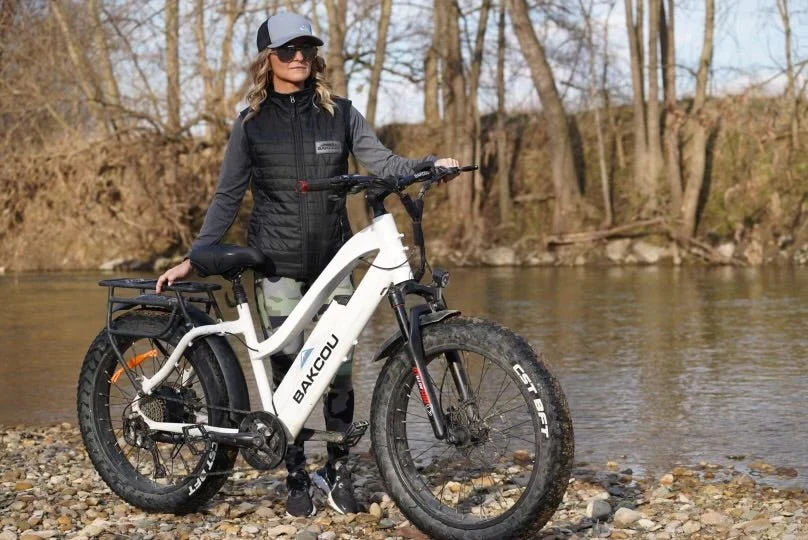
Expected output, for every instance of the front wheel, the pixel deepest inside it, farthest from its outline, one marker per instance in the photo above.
(511, 467)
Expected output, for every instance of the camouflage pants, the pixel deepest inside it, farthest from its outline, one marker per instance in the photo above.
(276, 298)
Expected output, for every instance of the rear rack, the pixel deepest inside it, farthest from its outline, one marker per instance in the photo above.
(147, 297)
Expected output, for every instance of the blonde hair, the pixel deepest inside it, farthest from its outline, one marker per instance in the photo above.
(260, 71)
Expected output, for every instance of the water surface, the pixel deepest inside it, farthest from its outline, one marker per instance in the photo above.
(661, 366)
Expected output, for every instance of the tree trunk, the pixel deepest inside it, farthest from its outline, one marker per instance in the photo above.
(204, 69)
(233, 9)
(431, 60)
(378, 59)
(566, 212)
(654, 136)
(641, 178)
(84, 74)
(672, 123)
(503, 163)
(698, 130)
(455, 111)
(335, 60)
(595, 104)
(112, 96)
(792, 95)
(172, 62)
(471, 154)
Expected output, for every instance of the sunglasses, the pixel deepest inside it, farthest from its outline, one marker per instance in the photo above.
(287, 53)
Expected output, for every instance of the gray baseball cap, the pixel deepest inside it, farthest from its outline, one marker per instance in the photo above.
(283, 28)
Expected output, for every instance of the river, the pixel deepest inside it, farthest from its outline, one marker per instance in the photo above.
(661, 366)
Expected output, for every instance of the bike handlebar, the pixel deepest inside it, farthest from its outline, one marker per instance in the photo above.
(355, 183)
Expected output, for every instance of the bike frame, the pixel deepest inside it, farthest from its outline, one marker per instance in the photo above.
(329, 343)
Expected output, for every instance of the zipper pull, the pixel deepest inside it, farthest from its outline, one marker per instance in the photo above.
(292, 99)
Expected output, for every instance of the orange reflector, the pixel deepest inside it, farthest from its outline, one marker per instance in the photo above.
(133, 362)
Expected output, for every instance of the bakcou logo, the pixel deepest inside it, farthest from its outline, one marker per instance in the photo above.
(328, 147)
(316, 367)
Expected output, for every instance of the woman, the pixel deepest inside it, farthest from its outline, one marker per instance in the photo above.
(295, 129)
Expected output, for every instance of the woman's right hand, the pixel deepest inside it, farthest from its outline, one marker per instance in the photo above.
(180, 271)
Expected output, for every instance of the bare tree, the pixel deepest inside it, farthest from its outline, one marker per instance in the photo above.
(595, 94)
(566, 212)
(654, 135)
(697, 130)
(792, 93)
(431, 65)
(172, 55)
(337, 11)
(503, 161)
(672, 114)
(378, 59)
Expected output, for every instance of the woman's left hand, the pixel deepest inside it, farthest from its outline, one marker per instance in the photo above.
(447, 162)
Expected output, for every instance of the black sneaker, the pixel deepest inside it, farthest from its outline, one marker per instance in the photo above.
(298, 502)
(335, 481)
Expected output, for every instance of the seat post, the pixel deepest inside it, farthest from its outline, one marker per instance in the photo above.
(238, 290)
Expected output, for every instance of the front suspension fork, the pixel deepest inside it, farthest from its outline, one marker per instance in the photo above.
(410, 327)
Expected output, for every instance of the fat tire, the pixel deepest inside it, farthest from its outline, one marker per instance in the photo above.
(553, 462)
(104, 451)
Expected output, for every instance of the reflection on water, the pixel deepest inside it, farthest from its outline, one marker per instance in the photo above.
(661, 366)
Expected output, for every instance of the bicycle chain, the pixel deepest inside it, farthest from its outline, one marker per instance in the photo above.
(215, 407)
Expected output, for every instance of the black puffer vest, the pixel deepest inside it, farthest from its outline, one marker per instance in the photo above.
(292, 139)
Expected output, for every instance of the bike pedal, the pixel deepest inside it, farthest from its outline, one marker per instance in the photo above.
(354, 433)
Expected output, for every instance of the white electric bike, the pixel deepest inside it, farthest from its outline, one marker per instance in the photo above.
(470, 430)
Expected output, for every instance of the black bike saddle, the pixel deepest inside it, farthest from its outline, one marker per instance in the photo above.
(225, 260)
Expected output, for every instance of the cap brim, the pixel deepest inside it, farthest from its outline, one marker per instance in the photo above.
(280, 42)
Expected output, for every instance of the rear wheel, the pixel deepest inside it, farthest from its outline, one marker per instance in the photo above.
(512, 467)
(157, 472)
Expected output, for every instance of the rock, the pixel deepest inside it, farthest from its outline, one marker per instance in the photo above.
(756, 526)
(726, 250)
(542, 258)
(412, 533)
(744, 481)
(647, 253)
(375, 510)
(616, 249)
(647, 524)
(96, 528)
(112, 264)
(265, 512)
(288, 530)
(220, 510)
(597, 509)
(306, 535)
(662, 493)
(328, 535)
(691, 527)
(754, 253)
(386, 523)
(761, 467)
(624, 517)
(716, 519)
(22, 486)
(8, 535)
(499, 256)
(242, 510)
(250, 529)
(666, 479)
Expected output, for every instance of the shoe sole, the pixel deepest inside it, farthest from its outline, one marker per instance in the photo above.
(320, 482)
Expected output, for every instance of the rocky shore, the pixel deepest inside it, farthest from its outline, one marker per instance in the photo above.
(50, 490)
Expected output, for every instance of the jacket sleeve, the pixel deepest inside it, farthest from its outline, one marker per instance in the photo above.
(234, 177)
(377, 158)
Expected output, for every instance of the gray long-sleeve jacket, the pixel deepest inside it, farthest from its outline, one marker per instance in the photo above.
(235, 173)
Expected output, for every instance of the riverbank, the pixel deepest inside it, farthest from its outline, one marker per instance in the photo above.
(50, 490)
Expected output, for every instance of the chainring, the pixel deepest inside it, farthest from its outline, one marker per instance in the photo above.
(271, 454)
